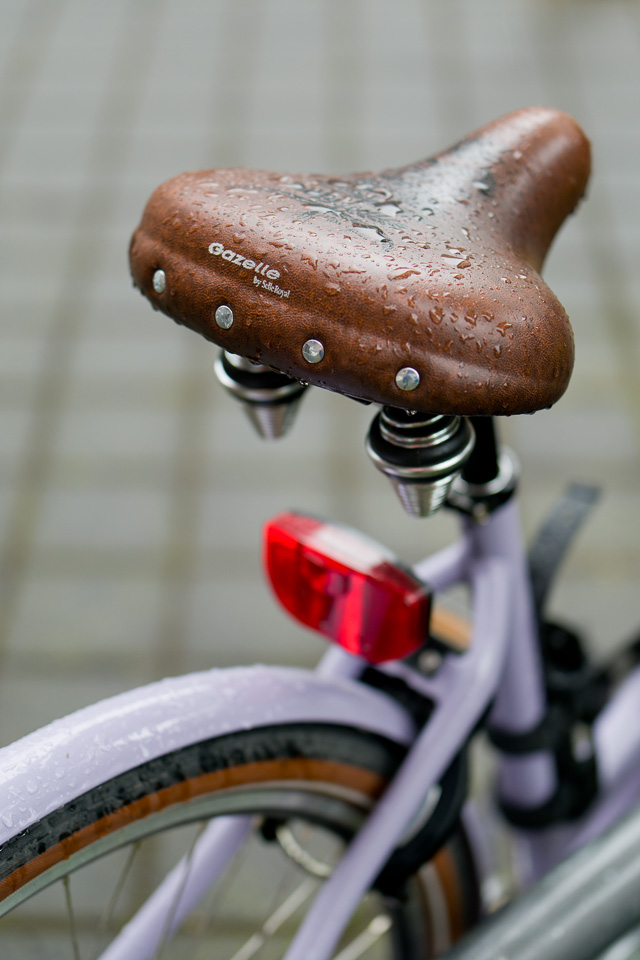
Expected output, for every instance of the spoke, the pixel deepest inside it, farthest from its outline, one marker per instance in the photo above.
(369, 936)
(180, 891)
(108, 914)
(273, 923)
(168, 930)
(73, 932)
(216, 897)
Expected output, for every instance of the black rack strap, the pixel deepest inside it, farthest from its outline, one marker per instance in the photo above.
(555, 537)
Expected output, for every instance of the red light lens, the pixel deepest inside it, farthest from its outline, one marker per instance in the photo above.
(345, 586)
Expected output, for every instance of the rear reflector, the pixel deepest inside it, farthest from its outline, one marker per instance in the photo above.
(347, 587)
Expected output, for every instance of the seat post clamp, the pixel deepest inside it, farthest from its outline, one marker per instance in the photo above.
(479, 500)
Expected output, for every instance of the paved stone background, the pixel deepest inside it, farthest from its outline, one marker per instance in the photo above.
(131, 489)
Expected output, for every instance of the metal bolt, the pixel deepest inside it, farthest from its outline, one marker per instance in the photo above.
(581, 743)
(407, 379)
(224, 317)
(480, 513)
(159, 281)
(313, 351)
(429, 662)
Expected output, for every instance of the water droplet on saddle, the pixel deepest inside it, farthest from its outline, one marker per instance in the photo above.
(389, 209)
(403, 273)
(332, 289)
(370, 233)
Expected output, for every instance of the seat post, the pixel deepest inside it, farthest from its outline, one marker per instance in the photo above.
(482, 465)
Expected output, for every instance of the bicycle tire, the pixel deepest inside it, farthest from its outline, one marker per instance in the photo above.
(324, 774)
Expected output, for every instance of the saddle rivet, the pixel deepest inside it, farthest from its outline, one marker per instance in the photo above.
(159, 281)
(407, 379)
(224, 317)
(313, 351)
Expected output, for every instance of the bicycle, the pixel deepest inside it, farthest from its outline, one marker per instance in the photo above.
(417, 289)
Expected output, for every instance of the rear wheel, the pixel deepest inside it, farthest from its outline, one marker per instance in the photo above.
(306, 788)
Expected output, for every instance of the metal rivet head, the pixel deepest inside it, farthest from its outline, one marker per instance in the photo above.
(159, 281)
(407, 379)
(224, 317)
(313, 351)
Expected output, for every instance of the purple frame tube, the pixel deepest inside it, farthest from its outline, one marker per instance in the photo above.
(466, 684)
(520, 702)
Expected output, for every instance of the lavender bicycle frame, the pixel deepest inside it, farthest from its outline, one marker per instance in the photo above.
(502, 665)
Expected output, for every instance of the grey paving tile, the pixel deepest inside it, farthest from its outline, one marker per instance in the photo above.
(571, 435)
(22, 357)
(605, 610)
(81, 623)
(14, 430)
(103, 434)
(103, 519)
(31, 684)
(99, 357)
(227, 517)
(233, 622)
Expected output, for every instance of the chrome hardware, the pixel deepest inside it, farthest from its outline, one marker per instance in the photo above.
(224, 317)
(159, 281)
(270, 399)
(407, 379)
(421, 454)
(478, 500)
(429, 662)
(313, 351)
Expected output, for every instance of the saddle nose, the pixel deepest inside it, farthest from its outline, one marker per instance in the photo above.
(417, 287)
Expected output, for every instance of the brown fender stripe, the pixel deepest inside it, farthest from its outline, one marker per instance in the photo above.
(450, 629)
(445, 866)
(354, 778)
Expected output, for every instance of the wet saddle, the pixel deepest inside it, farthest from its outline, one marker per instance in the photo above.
(417, 287)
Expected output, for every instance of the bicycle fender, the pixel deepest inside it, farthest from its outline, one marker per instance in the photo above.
(46, 769)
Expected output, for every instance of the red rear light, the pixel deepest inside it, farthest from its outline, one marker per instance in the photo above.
(336, 581)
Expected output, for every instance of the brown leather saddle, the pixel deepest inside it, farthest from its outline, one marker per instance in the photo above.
(417, 287)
